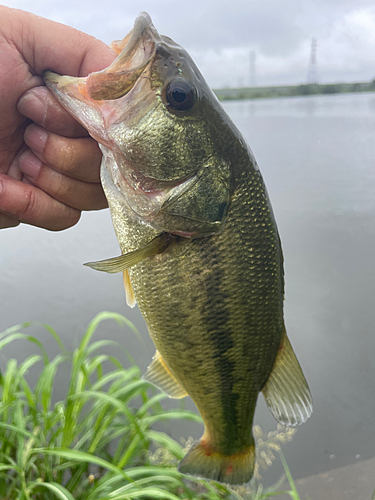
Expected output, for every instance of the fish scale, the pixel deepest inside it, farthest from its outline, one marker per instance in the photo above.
(216, 313)
(201, 254)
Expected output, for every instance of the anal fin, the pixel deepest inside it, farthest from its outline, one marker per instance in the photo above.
(286, 391)
(129, 294)
(159, 374)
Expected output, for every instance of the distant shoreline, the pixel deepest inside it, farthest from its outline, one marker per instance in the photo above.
(228, 94)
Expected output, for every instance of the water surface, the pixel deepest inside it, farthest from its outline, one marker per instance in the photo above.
(317, 156)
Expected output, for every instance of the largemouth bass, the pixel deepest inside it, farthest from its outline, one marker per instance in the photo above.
(200, 248)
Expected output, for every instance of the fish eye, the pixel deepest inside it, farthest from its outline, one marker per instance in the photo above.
(180, 95)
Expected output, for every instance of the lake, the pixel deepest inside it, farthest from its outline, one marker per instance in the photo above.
(317, 156)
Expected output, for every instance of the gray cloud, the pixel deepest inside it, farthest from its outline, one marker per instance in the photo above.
(221, 33)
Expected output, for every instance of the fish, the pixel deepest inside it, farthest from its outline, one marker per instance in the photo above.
(200, 249)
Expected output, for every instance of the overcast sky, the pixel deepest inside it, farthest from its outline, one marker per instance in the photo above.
(220, 34)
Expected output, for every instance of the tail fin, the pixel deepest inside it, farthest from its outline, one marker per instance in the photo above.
(203, 462)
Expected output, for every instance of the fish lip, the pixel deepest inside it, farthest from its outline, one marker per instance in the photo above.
(51, 77)
(142, 22)
(60, 82)
(121, 76)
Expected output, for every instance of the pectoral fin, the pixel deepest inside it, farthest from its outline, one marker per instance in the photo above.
(286, 391)
(159, 374)
(123, 262)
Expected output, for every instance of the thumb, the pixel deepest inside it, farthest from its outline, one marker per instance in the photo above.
(45, 44)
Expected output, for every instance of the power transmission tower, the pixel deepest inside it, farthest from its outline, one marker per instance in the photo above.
(312, 72)
(253, 80)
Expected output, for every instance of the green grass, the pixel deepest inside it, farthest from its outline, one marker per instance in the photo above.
(99, 441)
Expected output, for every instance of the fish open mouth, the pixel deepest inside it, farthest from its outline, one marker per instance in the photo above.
(134, 53)
(89, 98)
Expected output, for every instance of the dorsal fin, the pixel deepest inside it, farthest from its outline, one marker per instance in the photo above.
(286, 391)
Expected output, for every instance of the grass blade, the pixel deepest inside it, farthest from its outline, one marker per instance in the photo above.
(58, 490)
(82, 456)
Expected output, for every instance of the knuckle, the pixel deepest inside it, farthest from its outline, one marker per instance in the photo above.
(69, 219)
(79, 158)
(68, 159)
(60, 154)
(28, 209)
(61, 188)
(53, 216)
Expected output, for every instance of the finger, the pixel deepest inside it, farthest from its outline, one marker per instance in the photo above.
(7, 221)
(14, 170)
(75, 193)
(33, 206)
(79, 158)
(65, 50)
(41, 107)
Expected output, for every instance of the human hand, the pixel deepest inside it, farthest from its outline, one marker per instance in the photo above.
(49, 166)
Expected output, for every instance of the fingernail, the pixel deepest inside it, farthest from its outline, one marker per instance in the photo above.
(33, 107)
(36, 138)
(29, 164)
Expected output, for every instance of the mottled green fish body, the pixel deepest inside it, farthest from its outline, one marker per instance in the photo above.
(199, 243)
